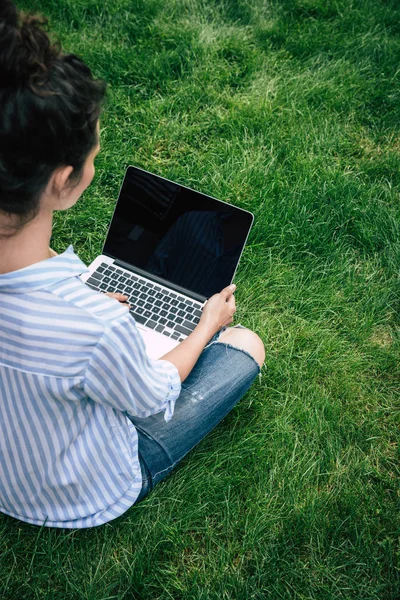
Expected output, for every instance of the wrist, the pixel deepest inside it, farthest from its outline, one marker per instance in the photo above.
(205, 330)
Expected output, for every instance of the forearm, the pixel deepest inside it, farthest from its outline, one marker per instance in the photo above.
(217, 313)
(185, 355)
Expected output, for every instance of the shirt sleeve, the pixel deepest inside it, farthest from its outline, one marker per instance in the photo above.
(122, 376)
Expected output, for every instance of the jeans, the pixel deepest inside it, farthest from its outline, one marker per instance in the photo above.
(220, 378)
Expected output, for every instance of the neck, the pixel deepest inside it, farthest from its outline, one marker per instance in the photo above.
(28, 246)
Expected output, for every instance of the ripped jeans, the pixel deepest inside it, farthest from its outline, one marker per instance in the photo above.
(220, 378)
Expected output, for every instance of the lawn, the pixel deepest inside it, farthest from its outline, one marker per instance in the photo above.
(290, 109)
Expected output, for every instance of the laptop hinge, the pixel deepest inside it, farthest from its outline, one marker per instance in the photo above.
(161, 281)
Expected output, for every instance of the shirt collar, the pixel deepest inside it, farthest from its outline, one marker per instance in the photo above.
(43, 274)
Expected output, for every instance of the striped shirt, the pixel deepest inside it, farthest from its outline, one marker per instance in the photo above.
(72, 367)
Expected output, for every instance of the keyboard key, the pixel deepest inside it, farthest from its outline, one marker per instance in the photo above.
(140, 302)
(139, 310)
(106, 279)
(156, 310)
(97, 275)
(188, 303)
(183, 330)
(189, 309)
(197, 313)
(172, 295)
(163, 313)
(178, 320)
(159, 295)
(157, 288)
(108, 272)
(181, 313)
(175, 335)
(162, 321)
(166, 306)
(148, 306)
(145, 289)
(138, 318)
(173, 310)
(170, 324)
(174, 302)
(103, 286)
(151, 300)
(160, 328)
(129, 289)
(100, 269)
(181, 306)
(188, 325)
(151, 324)
(147, 314)
(92, 281)
(157, 303)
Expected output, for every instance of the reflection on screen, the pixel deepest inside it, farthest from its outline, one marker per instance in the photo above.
(171, 231)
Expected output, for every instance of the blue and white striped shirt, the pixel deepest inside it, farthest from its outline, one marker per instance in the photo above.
(72, 367)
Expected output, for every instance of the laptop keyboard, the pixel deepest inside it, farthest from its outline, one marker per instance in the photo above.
(155, 307)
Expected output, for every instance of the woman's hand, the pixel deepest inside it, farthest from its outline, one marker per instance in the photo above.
(217, 313)
(219, 310)
(120, 297)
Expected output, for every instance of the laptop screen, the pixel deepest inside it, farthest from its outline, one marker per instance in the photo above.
(183, 236)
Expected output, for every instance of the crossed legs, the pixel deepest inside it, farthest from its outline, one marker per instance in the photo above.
(220, 378)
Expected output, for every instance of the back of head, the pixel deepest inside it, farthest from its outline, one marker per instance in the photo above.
(25, 49)
(49, 108)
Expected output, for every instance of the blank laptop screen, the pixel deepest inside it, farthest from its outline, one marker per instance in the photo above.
(173, 232)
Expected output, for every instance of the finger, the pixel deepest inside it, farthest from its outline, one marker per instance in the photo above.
(120, 297)
(228, 291)
(228, 322)
(231, 302)
(116, 295)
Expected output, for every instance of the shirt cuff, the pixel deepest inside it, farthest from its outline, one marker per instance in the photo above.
(174, 388)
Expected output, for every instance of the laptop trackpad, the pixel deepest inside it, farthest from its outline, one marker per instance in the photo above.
(156, 344)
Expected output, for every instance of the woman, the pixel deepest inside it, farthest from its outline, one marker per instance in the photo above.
(89, 424)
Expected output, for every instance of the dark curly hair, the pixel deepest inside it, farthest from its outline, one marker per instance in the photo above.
(49, 108)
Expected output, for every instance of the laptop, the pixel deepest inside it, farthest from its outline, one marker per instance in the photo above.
(168, 248)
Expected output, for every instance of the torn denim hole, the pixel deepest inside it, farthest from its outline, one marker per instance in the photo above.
(196, 397)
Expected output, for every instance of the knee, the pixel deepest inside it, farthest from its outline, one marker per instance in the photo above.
(247, 340)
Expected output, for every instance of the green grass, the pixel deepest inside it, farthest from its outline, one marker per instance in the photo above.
(291, 109)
